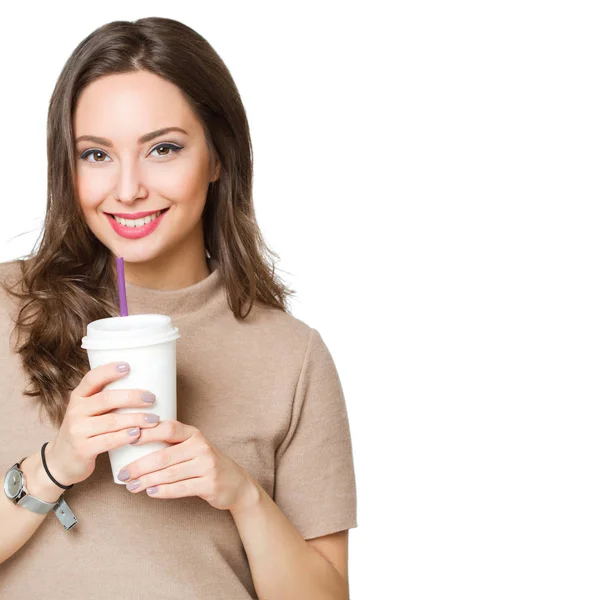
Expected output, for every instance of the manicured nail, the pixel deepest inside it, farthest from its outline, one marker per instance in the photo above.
(148, 397)
(122, 367)
(123, 475)
(132, 485)
(152, 418)
(133, 431)
(152, 490)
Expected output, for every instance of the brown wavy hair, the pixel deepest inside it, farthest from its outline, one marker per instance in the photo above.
(71, 279)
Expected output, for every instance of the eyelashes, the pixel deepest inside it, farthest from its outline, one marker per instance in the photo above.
(172, 147)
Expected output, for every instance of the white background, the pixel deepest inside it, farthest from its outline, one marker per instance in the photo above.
(423, 171)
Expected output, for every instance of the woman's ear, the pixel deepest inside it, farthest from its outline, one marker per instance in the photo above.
(216, 172)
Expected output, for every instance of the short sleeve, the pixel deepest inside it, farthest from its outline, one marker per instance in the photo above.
(314, 471)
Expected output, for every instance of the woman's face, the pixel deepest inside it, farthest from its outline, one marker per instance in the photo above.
(123, 174)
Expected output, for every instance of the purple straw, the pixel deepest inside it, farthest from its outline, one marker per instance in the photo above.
(121, 287)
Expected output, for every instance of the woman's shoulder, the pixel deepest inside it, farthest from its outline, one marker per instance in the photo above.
(278, 322)
(10, 268)
(10, 274)
(283, 333)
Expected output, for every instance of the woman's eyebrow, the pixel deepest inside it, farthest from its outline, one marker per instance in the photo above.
(142, 140)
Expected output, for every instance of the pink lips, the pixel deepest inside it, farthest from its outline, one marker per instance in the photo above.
(134, 233)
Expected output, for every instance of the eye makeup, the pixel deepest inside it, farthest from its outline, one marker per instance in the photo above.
(174, 148)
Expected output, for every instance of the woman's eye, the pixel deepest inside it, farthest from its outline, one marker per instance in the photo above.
(170, 147)
(93, 152)
(99, 153)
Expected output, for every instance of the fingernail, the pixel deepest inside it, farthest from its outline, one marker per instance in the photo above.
(132, 485)
(122, 367)
(148, 397)
(152, 490)
(152, 418)
(123, 475)
(133, 431)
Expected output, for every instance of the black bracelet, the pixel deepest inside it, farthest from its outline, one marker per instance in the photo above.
(64, 487)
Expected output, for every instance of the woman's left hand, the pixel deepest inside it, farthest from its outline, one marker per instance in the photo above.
(190, 467)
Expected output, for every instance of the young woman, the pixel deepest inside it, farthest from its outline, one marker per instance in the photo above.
(149, 158)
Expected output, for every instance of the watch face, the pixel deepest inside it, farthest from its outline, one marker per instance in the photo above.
(13, 483)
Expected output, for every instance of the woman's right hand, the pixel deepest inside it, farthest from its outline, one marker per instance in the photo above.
(88, 428)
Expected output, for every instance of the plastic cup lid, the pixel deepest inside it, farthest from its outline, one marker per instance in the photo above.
(129, 332)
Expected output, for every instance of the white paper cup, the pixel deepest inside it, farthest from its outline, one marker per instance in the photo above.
(148, 343)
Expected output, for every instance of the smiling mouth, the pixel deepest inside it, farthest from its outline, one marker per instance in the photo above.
(138, 222)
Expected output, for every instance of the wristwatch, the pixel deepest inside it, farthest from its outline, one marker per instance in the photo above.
(14, 487)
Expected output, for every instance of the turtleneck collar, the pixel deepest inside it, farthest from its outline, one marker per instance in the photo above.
(200, 296)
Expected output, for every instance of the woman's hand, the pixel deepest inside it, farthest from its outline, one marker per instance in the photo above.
(91, 425)
(190, 467)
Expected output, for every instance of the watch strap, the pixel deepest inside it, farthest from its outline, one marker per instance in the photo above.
(36, 505)
(64, 513)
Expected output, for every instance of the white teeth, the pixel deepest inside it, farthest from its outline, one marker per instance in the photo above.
(137, 222)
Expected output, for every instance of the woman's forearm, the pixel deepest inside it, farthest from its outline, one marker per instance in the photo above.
(283, 565)
(17, 523)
